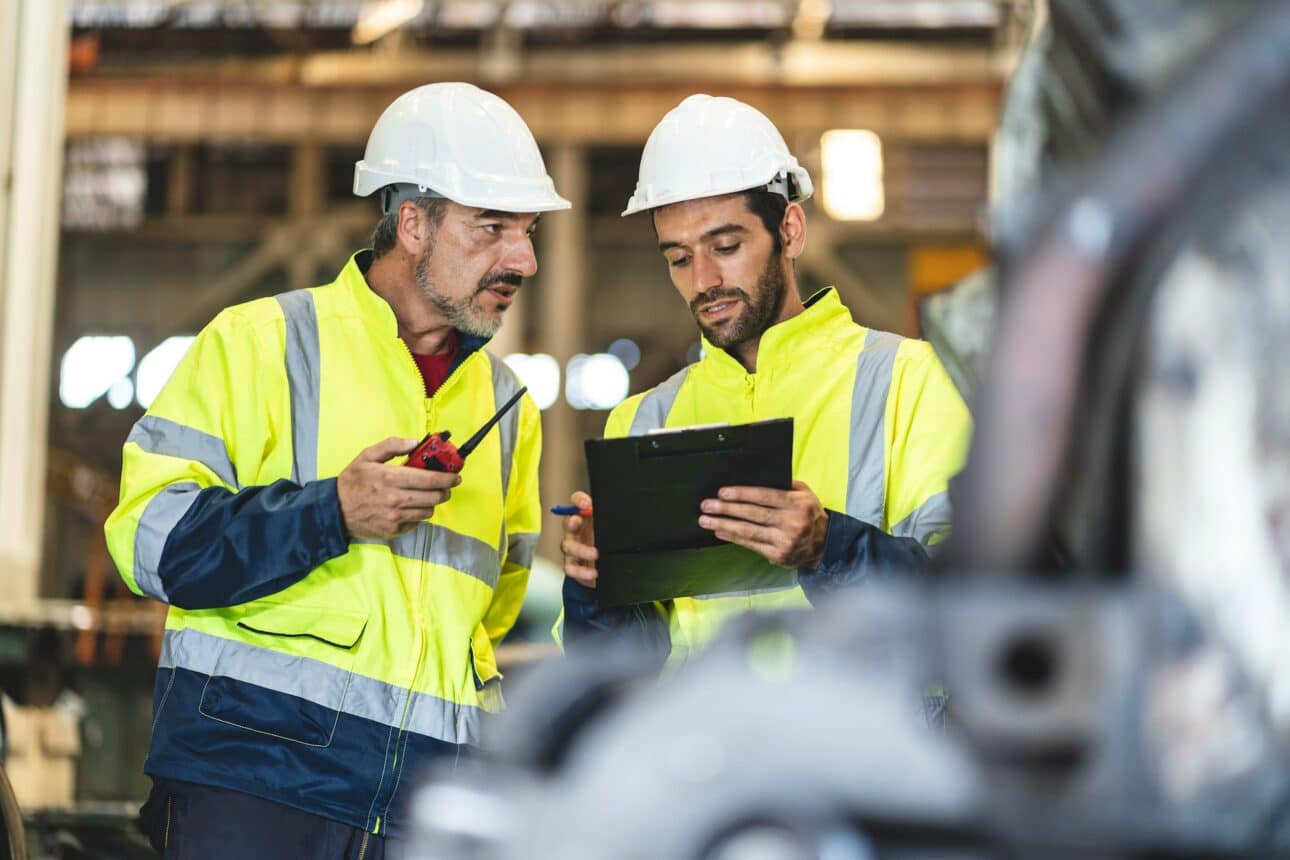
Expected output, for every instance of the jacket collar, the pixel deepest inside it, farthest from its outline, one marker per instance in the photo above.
(824, 318)
(370, 307)
(376, 311)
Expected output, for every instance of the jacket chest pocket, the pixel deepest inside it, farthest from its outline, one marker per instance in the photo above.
(288, 673)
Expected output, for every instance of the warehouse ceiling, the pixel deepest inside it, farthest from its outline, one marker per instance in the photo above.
(174, 27)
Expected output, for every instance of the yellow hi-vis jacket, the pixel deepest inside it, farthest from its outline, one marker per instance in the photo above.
(878, 430)
(299, 665)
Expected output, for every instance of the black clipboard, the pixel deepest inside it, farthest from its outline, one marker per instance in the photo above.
(647, 490)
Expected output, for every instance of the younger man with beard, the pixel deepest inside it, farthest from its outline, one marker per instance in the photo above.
(878, 426)
(334, 612)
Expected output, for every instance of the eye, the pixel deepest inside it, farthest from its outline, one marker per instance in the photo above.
(678, 261)
(493, 229)
(532, 231)
(727, 249)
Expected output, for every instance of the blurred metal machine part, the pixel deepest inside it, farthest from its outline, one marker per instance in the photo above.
(1111, 617)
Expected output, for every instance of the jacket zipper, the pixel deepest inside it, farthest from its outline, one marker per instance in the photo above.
(424, 551)
(417, 368)
(170, 802)
(362, 847)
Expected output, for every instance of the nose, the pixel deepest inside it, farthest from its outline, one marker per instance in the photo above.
(520, 257)
(706, 273)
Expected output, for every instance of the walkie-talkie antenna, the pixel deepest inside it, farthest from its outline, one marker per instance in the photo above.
(483, 431)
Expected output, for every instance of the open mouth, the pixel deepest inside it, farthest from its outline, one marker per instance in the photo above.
(718, 309)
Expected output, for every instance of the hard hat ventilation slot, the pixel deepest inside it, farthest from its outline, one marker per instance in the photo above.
(393, 195)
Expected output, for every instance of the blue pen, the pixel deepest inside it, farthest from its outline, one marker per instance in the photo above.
(570, 510)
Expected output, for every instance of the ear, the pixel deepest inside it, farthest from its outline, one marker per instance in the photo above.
(413, 229)
(792, 231)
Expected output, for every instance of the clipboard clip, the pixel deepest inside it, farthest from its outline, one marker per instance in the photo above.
(718, 437)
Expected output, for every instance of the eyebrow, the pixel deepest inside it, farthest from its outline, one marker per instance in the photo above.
(498, 215)
(710, 234)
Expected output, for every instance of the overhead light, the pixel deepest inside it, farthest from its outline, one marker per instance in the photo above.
(92, 366)
(156, 367)
(852, 189)
(121, 393)
(379, 18)
(597, 381)
(540, 372)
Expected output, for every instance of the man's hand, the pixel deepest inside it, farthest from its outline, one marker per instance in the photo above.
(383, 501)
(785, 526)
(579, 544)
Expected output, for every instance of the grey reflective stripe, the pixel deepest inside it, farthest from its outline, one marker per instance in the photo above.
(753, 593)
(321, 683)
(928, 520)
(439, 545)
(448, 721)
(170, 439)
(464, 553)
(159, 517)
(505, 384)
(657, 403)
(867, 461)
(304, 376)
(520, 549)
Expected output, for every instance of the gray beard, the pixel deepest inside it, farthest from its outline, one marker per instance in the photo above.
(464, 314)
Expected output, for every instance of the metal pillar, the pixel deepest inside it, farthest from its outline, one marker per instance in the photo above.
(561, 323)
(33, 92)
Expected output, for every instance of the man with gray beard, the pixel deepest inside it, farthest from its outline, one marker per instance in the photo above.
(333, 612)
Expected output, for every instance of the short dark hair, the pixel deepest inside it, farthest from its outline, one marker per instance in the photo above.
(386, 234)
(770, 207)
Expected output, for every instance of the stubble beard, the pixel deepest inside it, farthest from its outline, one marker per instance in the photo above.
(758, 313)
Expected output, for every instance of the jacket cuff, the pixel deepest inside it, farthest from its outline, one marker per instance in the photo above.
(328, 518)
(840, 537)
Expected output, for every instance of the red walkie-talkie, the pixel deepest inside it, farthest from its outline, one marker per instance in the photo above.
(436, 454)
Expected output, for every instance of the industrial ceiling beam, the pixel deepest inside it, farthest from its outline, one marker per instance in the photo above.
(796, 63)
(575, 95)
(169, 110)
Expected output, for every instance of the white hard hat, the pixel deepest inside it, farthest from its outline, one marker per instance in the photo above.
(707, 146)
(457, 141)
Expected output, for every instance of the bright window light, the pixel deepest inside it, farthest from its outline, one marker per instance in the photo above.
(121, 393)
(597, 381)
(540, 372)
(852, 165)
(105, 181)
(156, 367)
(91, 366)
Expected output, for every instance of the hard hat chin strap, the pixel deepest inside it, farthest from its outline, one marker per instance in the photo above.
(393, 195)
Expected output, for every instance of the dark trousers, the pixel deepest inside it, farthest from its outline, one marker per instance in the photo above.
(197, 822)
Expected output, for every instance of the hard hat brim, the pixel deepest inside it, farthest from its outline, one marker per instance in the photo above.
(368, 181)
(638, 204)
